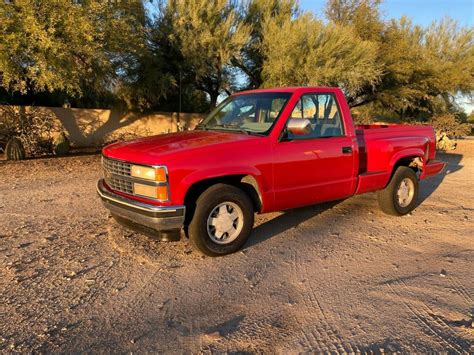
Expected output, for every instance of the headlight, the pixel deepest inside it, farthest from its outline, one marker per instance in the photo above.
(143, 172)
(156, 192)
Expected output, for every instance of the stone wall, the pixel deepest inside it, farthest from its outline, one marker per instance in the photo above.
(95, 127)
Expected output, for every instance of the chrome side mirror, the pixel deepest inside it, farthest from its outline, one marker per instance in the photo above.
(299, 126)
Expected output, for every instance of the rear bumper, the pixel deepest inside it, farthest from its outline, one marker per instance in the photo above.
(432, 168)
(159, 218)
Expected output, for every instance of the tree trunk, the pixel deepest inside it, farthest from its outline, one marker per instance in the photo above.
(213, 101)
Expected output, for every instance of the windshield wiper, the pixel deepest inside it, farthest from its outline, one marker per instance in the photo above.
(201, 126)
(229, 127)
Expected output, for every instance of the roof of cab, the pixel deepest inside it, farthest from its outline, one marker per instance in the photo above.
(290, 90)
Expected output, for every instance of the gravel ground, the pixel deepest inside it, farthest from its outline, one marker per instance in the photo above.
(338, 277)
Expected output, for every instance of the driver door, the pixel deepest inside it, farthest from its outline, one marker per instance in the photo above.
(318, 165)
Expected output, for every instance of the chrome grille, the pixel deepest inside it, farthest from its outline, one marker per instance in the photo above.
(116, 183)
(113, 170)
(116, 167)
(117, 176)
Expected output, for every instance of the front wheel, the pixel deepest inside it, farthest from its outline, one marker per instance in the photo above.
(222, 221)
(399, 197)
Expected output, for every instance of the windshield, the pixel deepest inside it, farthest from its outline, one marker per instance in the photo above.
(247, 113)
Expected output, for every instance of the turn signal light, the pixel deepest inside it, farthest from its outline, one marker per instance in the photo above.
(155, 192)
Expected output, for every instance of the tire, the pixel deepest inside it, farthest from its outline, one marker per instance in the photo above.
(14, 149)
(222, 220)
(400, 195)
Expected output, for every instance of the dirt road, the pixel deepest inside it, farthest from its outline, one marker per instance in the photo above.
(340, 277)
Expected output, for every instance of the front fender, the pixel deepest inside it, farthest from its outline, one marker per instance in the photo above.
(215, 173)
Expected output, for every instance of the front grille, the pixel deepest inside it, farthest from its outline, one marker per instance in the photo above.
(113, 170)
(117, 176)
(116, 167)
(116, 183)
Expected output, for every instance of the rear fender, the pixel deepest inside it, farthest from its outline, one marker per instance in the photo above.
(406, 153)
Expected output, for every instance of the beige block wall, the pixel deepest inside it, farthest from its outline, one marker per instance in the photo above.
(95, 127)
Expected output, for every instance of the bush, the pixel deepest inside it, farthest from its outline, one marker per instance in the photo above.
(448, 125)
(34, 127)
(448, 128)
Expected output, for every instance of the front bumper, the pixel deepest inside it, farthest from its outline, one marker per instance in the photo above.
(159, 218)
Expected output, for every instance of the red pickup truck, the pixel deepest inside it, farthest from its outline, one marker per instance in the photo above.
(261, 151)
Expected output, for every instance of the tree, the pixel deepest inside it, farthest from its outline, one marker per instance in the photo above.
(209, 35)
(420, 66)
(155, 77)
(254, 13)
(362, 15)
(305, 51)
(66, 46)
(470, 118)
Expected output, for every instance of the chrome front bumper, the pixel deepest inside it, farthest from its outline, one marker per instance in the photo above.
(159, 218)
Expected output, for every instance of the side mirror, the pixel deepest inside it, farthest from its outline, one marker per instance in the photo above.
(299, 126)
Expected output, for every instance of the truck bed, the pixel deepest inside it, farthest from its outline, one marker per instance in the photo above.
(379, 145)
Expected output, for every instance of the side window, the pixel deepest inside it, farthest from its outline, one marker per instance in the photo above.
(323, 114)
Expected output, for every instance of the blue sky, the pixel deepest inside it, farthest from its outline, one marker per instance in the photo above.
(422, 12)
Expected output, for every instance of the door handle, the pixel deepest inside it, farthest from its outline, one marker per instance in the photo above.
(346, 150)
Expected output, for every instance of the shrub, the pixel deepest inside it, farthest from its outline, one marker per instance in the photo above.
(33, 127)
(448, 125)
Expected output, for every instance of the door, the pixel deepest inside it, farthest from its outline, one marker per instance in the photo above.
(318, 165)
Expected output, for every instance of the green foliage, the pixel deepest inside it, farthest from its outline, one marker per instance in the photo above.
(256, 13)
(362, 15)
(420, 66)
(470, 118)
(98, 53)
(66, 46)
(209, 35)
(304, 51)
(448, 124)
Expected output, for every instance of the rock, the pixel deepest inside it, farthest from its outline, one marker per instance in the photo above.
(443, 273)
(51, 237)
(24, 245)
(212, 336)
(443, 142)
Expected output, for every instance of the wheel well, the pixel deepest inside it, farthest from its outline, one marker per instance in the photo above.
(413, 162)
(247, 183)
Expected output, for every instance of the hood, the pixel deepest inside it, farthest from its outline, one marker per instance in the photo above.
(151, 150)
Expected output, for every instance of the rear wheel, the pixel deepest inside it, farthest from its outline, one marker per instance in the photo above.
(400, 195)
(222, 220)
